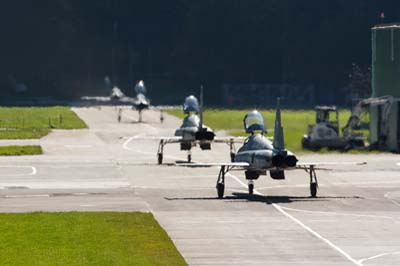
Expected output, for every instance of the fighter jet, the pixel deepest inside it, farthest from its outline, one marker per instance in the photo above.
(259, 155)
(193, 131)
(139, 102)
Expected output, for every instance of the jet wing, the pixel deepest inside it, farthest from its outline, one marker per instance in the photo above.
(170, 139)
(96, 98)
(203, 165)
(320, 165)
(126, 100)
(164, 139)
(229, 140)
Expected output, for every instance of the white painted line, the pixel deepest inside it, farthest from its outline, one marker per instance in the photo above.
(80, 194)
(28, 196)
(126, 143)
(33, 170)
(378, 256)
(338, 213)
(78, 146)
(387, 196)
(87, 205)
(305, 227)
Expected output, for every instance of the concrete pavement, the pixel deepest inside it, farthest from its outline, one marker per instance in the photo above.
(112, 167)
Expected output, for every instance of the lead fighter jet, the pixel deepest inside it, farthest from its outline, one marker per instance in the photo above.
(259, 155)
(193, 131)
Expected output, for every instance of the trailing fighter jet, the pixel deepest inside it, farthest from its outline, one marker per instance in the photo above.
(259, 155)
(193, 131)
(139, 102)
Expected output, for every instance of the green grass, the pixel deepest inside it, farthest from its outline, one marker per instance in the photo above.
(36, 122)
(85, 238)
(295, 123)
(20, 150)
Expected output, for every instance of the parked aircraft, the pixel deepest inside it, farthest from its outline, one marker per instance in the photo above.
(259, 155)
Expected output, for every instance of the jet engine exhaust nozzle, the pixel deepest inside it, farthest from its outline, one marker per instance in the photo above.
(291, 160)
(204, 135)
(278, 160)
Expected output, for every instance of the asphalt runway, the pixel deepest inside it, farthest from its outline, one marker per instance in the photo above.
(112, 167)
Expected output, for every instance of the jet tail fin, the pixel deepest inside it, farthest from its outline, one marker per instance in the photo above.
(279, 142)
(201, 107)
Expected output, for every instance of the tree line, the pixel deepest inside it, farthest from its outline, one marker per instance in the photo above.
(66, 47)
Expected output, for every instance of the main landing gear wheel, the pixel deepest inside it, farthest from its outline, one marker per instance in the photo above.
(313, 190)
(313, 182)
(160, 158)
(220, 190)
(221, 182)
(232, 157)
(251, 189)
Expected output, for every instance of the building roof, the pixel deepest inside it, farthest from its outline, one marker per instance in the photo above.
(387, 26)
(325, 108)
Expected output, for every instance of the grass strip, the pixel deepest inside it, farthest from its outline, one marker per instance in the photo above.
(20, 150)
(85, 238)
(36, 122)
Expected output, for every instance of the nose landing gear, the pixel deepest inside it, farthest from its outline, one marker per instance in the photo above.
(313, 182)
(251, 187)
(221, 183)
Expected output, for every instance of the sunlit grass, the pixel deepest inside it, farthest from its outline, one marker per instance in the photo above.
(85, 239)
(36, 122)
(20, 150)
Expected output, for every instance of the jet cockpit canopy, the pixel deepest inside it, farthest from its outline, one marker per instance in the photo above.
(254, 121)
(191, 104)
(140, 88)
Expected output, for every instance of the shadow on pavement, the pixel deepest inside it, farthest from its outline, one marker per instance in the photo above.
(265, 199)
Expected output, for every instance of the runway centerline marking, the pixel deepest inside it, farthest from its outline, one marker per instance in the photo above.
(27, 196)
(305, 227)
(126, 143)
(33, 172)
(78, 146)
(379, 255)
(339, 213)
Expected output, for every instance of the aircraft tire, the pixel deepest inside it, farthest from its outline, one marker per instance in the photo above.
(251, 189)
(220, 190)
(189, 158)
(160, 158)
(313, 190)
(232, 157)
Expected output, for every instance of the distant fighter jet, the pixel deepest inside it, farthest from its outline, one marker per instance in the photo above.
(139, 102)
(259, 155)
(193, 131)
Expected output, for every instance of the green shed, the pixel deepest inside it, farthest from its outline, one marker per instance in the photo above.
(385, 81)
